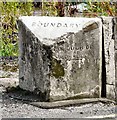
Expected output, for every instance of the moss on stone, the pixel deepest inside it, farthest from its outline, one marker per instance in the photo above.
(57, 68)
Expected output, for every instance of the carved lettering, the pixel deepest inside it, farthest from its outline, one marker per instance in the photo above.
(59, 25)
(77, 48)
(65, 25)
(52, 24)
(81, 47)
(76, 25)
(44, 24)
(87, 47)
(34, 23)
(39, 24)
(71, 25)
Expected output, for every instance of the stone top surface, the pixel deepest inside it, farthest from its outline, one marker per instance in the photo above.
(53, 27)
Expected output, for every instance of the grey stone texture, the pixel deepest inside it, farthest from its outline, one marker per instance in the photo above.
(110, 44)
(115, 29)
(60, 58)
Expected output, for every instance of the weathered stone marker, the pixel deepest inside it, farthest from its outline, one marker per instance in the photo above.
(60, 58)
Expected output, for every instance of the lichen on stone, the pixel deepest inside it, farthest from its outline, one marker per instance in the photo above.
(57, 68)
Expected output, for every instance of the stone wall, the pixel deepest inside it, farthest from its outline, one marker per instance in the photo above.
(115, 33)
(109, 32)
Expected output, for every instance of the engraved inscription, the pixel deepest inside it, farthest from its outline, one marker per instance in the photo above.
(49, 24)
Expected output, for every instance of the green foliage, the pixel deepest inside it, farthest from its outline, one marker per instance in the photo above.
(48, 8)
(10, 11)
(53, 8)
(101, 9)
(95, 9)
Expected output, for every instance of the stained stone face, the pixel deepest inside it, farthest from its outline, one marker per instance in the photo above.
(115, 58)
(109, 31)
(60, 58)
(116, 44)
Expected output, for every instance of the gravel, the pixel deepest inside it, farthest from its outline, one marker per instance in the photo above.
(9, 67)
(13, 108)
